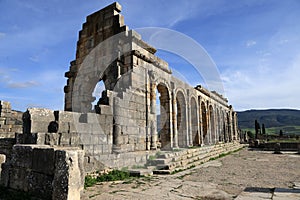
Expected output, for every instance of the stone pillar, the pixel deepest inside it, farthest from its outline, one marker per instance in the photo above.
(148, 111)
(230, 127)
(153, 97)
(215, 128)
(200, 123)
(187, 124)
(175, 132)
(117, 126)
(189, 127)
(154, 135)
(209, 125)
(170, 111)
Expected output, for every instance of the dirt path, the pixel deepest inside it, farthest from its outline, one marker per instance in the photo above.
(224, 178)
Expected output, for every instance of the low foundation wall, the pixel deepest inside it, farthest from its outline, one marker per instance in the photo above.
(284, 146)
(45, 172)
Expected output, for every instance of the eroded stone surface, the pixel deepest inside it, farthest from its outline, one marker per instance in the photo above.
(236, 177)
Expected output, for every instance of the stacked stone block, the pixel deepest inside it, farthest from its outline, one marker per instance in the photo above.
(10, 121)
(45, 172)
(89, 131)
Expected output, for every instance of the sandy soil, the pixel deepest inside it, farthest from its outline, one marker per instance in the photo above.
(224, 178)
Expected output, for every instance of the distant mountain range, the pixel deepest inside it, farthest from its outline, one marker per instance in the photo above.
(271, 118)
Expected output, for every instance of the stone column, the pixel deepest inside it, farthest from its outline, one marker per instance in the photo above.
(117, 125)
(230, 127)
(170, 120)
(215, 128)
(175, 132)
(187, 124)
(153, 97)
(190, 124)
(148, 111)
(209, 125)
(200, 122)
(154, 135)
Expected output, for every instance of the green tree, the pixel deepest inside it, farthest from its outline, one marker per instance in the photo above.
(257, 129)
(263, 129)
(280, 133)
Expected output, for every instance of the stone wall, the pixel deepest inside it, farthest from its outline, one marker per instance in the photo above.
(89, 131)
(45, 172)
(10, 121)
(122, 129)
(133, 75)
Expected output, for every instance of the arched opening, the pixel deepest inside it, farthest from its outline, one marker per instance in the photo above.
(228, 134)
(221, 125)
(212, 125)
(97, 93)
(233, 126)
(181, 120)
(157, 111)
(194, 121)
(204, 123)
(163, 103)
(224, 127)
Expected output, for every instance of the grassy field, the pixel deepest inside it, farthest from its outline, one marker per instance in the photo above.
(287, 130)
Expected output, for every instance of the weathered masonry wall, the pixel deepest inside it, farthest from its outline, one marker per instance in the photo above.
(10, 121)
(108, 51)
(47, 153)
(45, 172)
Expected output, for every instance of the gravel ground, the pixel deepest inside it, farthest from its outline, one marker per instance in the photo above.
(224, 178)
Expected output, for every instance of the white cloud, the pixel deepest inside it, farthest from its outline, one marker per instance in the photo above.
(250, 43)
(2, 35)
(254, 88)
(26, 84)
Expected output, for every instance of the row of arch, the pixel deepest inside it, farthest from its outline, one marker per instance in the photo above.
(190, 120)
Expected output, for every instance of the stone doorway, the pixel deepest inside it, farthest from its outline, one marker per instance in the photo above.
(204, 123)
(163, 123)
(181, 120)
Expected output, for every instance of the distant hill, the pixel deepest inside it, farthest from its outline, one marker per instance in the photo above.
(271, 118)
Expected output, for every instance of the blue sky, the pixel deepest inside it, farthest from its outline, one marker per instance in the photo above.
(255, 45)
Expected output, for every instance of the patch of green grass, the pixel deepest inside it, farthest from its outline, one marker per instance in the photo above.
(89, 181)
(224, 154)
(194, 147)
(114, 175)
(192, 166)
(177, 171)
(138, 167)
(152, 157)
(290, 140)
(176, 150)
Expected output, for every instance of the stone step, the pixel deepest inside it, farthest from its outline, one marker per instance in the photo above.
(162, 172)
(173, 161)
(159, 161)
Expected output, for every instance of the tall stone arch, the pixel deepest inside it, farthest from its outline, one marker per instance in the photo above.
(212, 124)
(181, 119)
(165, 133)
(218, 121)
(204, 114)
(194, 122)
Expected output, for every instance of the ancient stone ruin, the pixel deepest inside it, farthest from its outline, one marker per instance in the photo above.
(54, 150)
